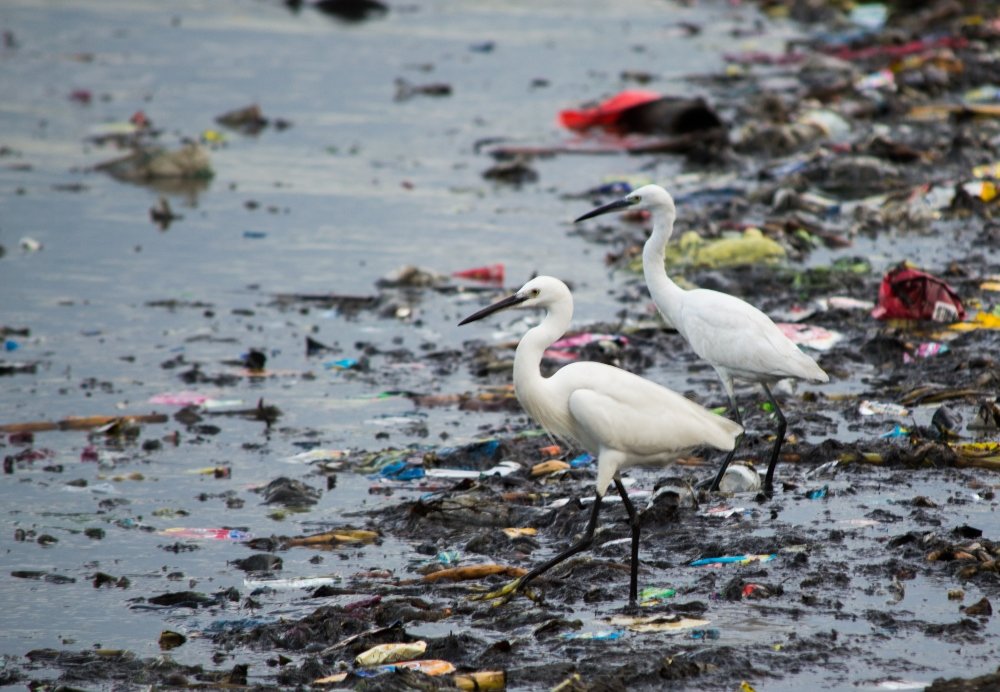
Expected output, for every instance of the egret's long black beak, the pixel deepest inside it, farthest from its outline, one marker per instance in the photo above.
(612, 206)
(509, 301)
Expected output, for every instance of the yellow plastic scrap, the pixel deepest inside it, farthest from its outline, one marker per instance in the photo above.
(746, 687)
(987, 170)
(482, 680)
(983, 320)
(391, 653)
(752, 247)
(547, 467)
(514, 532)
(990, 286)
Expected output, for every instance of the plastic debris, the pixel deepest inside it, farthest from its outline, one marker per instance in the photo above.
(740, 478)
(390, 653)
(608, 112)
(599, 635)
(658, 623)
(581, 461)
(818, 493)
(316, 455)
(448, 557)
(144, 164)
(481, 681)
(290, 583)
(721, 511)
(908, 293)
(207, 534)
(927, 349)
(748, 248)
(548, 467)
(504, 468)
(493, 273)
(474, 572)
(896, 433)
(732, 559)
(710, 633)
(882, 408)
(344, 535)
(652, 595)
(519, 532)
(818, 338)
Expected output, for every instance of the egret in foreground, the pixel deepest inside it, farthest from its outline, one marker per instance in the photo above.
(737, 339)
(622, 419)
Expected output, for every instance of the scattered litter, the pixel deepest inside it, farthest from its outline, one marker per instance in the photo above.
(882, 408)
(732, 559)
(819, 338)
(657, 623)
(390, 653)
(652, 595)
(599, 635)
(927, 349)
(908, 293)
(290, 583)
(493, 273)
(896, 433)
(818, 493)
(740, 478)
(504, 468)
(207, 534)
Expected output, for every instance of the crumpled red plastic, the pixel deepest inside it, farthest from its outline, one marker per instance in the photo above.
(606, 113)
(908, 293)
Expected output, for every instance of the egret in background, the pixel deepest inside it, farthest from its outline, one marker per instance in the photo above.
(619, 417)
(737, 339)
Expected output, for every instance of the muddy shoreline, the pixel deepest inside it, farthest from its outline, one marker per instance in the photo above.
(278, 476)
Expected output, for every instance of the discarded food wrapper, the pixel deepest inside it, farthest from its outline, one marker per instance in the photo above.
(882, 408)
(731, 559)
(925, 350)
(907, 293)
(818, 338)
(390, 653)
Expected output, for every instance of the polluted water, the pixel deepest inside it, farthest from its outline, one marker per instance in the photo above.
(245, 441)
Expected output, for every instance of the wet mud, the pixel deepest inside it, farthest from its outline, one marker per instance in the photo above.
(873, 566)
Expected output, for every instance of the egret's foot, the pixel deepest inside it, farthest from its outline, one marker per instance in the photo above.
(501, 595)
(631, 609)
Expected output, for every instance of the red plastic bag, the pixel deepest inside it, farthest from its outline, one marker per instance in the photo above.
(606, 114)
(908, 293)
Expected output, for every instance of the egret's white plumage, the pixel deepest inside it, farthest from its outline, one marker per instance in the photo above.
(736, 338)
(622, 419)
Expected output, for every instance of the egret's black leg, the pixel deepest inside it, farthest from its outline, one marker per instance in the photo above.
(633, 520)
(782, 426)
(729, 457)
(582, 544)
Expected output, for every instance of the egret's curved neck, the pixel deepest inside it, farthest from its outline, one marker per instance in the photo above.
(666, 294)
(528, 357)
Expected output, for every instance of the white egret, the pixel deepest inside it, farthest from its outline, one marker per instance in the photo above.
(622, 419)
(737, 339)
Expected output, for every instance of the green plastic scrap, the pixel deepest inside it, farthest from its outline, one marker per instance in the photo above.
(750, 247)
